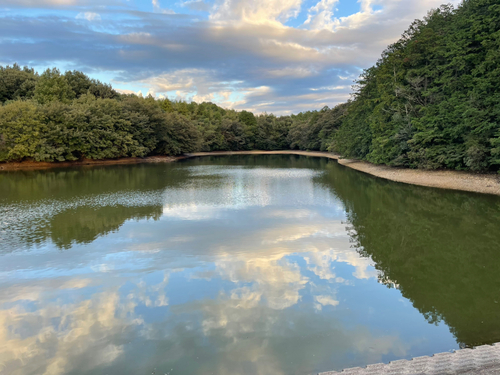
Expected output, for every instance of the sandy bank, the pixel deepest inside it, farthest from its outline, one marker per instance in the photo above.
(454, 180)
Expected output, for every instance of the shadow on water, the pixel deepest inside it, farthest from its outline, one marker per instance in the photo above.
(439, 248)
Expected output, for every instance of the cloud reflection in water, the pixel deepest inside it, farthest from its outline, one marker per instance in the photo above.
(242, 271)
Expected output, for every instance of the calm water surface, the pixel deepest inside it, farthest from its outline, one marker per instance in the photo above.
(238, 265)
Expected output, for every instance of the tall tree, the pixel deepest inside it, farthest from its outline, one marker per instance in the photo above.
(52, 86)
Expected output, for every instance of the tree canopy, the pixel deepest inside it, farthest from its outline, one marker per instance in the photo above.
(431, 101)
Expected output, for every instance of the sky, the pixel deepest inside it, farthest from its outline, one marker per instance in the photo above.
(274, 56)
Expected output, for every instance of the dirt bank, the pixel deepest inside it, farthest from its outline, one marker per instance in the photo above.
(454, 180)
(32, 165)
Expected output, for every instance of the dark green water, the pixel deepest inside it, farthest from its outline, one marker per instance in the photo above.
(239, 265)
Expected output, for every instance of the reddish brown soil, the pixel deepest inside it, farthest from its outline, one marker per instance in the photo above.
(31, 165)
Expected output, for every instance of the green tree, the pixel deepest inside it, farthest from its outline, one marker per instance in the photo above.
(432, 99)
(52, 86)
(22, 126)
(17, 83)
(176, 135)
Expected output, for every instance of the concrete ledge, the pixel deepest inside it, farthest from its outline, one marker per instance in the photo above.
(483, 360)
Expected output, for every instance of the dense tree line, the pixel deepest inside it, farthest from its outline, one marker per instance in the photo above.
(431, 101)
(59, 117)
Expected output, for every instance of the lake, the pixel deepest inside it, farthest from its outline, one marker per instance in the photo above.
(275, 264)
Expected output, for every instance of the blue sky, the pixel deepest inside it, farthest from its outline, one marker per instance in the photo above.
(279, 56)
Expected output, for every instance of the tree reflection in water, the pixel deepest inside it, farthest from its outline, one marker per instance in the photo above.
(250, 264)
(438, 247)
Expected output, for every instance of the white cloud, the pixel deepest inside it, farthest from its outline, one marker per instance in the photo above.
(321, 15)
(281, 53)
(157, 7)
(184, 80)
(257, 11)
(293, 72)
(398, 13)
(198, 5)
(276, 67)
(201, 85)
(278, 282)
(197, 85)
(56, 347)
(56, 3)
(330, 88)
(89, 16)
(33, 3)
(137, 38)
(122, 91)
(325, 301)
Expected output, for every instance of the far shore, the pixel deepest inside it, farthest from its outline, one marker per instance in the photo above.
(35, 165)
(443, 179)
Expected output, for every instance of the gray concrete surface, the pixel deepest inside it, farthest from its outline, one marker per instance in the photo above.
(483, 360)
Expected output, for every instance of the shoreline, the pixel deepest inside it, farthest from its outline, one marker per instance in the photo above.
(442, 179)
(37, 165)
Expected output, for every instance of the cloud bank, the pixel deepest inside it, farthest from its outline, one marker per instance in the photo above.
(281, 56)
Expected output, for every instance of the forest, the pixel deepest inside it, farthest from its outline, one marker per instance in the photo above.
(431, 101)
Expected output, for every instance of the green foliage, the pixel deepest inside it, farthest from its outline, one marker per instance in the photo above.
(233, 135)
(52, 86)
(92, 128)
(22, 127)
(248, 119)
(270, 132)
(315, 130)
(176, 135)
(81, 84)
(431, 101)
(16, 83)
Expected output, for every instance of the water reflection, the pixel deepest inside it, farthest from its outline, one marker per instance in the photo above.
(439, 248)
(238, 265)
